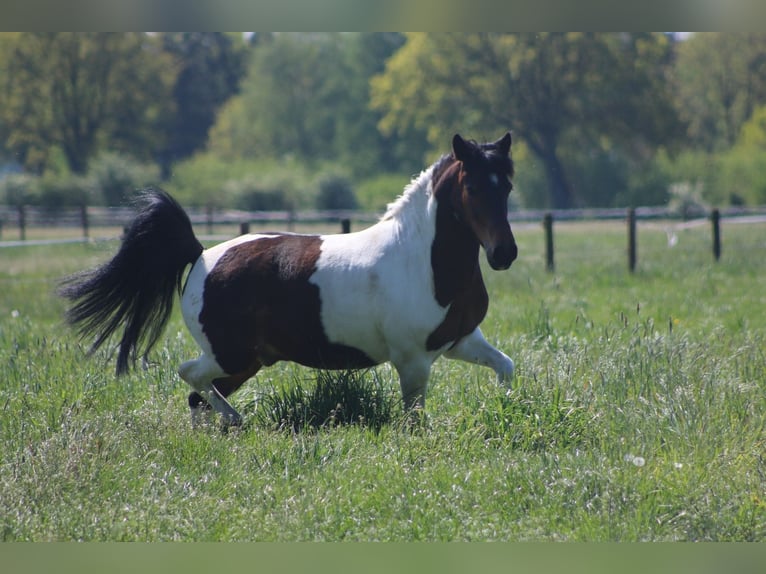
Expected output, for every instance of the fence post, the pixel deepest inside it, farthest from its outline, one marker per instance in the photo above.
(22, 222)
(716, 219)
(84, 220)
(548, 226)
(632, 239)
(244, 228)
(345, 225)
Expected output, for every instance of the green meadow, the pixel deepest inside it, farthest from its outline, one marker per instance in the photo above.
(638, 412)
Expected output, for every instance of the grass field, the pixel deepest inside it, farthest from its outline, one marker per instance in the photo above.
(638, 413)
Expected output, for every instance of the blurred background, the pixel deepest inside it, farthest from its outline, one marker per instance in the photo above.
(301, 121)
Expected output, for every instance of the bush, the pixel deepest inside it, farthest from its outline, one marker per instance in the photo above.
(686, 200)
(17, 189)
(251, 195)
(208, 180)
(376, 193)
(335, 193)
(118, 177)
(56, 192)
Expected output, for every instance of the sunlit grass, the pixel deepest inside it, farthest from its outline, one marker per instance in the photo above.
(638, 413)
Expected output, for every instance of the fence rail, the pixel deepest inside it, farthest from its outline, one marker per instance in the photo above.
(87, 218)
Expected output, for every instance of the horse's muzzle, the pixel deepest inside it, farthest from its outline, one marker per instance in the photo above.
(501, 256)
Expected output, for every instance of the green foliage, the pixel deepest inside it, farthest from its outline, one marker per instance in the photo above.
(252, 194)
(292, 83)
(199, 180)
(597, 117)
(210, 67)
(335, 192)
(736, 176)
(206, 179)
(56, 192)
(686, 200)
(560, 92)
(720, 79)
(117, 177)
(82, 91)
(17, 189)
(374, 194)
(52, 192)
(742, 175)
(305, 97)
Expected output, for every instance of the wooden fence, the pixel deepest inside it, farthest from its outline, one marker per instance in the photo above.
(87, 218)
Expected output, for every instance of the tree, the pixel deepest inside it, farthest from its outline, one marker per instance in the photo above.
(81, 92)
(554, 90)
(210, 67)
(741, 174)
(360, 144)
(720, 78)
(306, 96)
(287, 102)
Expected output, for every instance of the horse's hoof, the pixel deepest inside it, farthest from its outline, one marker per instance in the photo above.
(231, 422)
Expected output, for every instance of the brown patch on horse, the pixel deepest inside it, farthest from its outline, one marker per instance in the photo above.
(455, 262)
(259, 307)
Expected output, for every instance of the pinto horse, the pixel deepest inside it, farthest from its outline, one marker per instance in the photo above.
(405, 290)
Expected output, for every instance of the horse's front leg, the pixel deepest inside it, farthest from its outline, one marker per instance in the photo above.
(413, 380)
(474, 348)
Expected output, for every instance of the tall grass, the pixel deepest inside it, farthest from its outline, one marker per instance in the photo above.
(638, 413)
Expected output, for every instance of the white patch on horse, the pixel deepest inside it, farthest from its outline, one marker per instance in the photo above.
(363, 276)
(474, 348)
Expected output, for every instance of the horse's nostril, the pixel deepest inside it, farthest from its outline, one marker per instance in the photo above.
(501, 256)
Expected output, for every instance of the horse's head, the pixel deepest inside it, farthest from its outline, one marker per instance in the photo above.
(484, 180)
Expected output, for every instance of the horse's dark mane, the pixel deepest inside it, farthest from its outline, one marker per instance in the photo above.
(442, 164)
(488, 150)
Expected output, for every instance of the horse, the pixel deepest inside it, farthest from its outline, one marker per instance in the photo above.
(406, 290)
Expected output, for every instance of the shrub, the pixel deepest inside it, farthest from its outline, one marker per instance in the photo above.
(118, 177)
(17, 189)
(376, 193)
(204, 180)
(335, 193)
(252, 195)
(57, 192)
(686, 200)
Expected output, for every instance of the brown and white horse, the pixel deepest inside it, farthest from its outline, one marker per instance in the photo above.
(405, 290)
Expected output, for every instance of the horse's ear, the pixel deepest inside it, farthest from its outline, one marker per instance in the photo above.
(461, 148)
(503, 145)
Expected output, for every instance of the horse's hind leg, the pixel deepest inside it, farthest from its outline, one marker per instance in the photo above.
(201, 409)
(200, 374)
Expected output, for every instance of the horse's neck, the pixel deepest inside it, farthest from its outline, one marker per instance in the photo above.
(426, 221)
(454, 255)
(411, 206)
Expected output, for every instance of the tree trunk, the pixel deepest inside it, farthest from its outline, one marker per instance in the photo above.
(559, 189)
(543, 144)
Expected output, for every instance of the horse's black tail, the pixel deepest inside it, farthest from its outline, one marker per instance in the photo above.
(136, 288)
